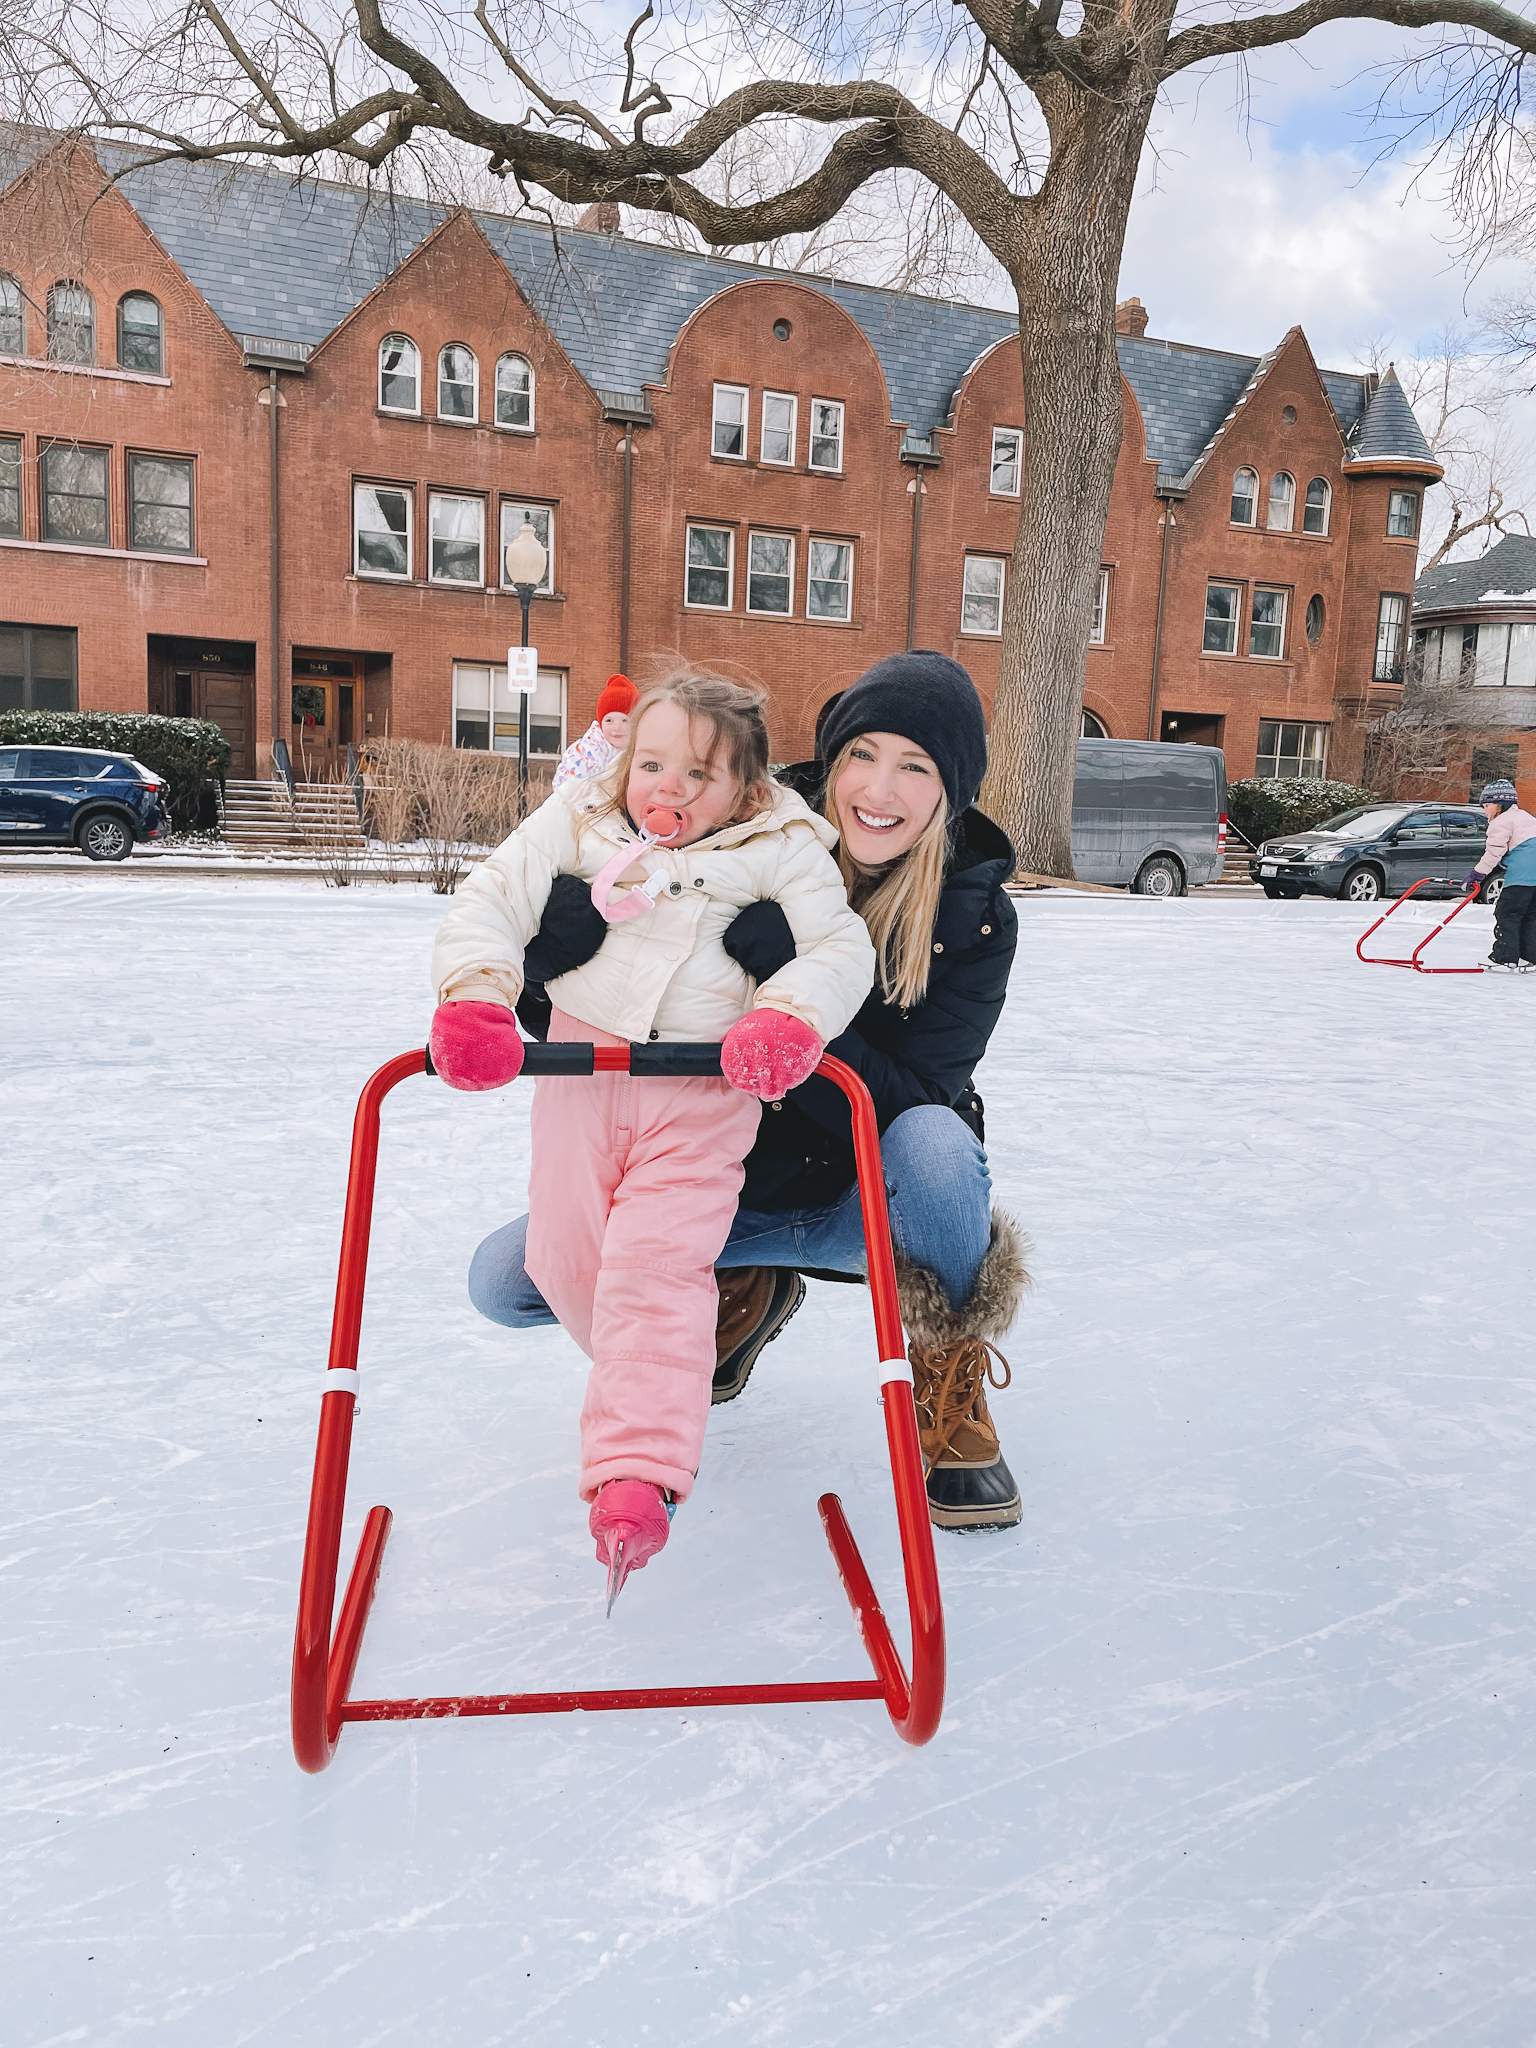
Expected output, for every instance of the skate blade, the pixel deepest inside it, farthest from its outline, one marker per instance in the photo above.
(618, 1572)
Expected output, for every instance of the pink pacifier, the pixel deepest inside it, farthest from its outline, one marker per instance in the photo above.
(659, 827)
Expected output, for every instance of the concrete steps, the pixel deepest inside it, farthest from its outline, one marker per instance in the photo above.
(258, 817)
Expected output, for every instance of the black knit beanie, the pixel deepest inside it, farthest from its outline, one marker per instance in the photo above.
(926, 698)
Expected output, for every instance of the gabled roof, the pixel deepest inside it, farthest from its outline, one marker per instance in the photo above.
(1506, 572)
(1387, 430)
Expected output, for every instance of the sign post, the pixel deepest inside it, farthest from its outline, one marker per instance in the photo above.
(522, 675)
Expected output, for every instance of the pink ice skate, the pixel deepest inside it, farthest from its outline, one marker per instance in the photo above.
(630, 1519)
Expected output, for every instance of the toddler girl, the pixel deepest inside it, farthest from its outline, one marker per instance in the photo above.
(606, 737)
(634, 1182)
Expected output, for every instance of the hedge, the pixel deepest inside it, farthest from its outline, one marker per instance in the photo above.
(1263, 807)
(188, 752)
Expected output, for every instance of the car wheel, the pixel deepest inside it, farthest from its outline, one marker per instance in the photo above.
(106, 838)
(1159, 876)
(1492, 891)
(1360, 885)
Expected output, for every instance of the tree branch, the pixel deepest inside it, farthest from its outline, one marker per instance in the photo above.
(1228, 38)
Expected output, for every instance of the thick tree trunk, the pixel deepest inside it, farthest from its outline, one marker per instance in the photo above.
(1071, 238)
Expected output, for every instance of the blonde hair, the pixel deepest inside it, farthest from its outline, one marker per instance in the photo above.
(733, 712)
(900, 901)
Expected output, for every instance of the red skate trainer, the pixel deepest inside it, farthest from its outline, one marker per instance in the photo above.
(630, 1520)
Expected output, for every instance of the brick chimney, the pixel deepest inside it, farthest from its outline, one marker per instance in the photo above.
(1130, 317)
(603, 219)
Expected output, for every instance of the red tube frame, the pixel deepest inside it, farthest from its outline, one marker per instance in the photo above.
(1439, 928)
(323, 1667)
(1381, 960)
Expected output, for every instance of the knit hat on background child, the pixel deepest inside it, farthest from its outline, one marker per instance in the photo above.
(926, 698)
(617, 694)
(1502, 792)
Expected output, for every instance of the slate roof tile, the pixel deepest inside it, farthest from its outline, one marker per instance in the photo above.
(1509, 569)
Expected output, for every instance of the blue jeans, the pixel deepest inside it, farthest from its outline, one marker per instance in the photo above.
(936, 1183)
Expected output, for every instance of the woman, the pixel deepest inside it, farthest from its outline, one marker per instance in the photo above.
(902, 757)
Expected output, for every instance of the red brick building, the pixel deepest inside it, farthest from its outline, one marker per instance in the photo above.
(262, 446)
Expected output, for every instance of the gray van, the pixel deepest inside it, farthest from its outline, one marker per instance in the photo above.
(1148, 815)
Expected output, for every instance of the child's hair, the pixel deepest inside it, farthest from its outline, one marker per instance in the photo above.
(898, 902)
(733, 715)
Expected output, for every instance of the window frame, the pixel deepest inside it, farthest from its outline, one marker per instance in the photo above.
(29, 676)
(19, 315)
(471, 418)
(1413, 498)
(1238, 589)
(501, 721)
(1304, 726)
(71, 284)
(402, 412)
(792, 400)
(139, 368)
(1383, 599)
(1270, 525)
(434, 499)
(131, 461)
(716, 421)
(1254, 626)
(1098, 630)
(755, 534)
(826, 468)
(13, 441)
(828, 540)
(690, 602)
(1016, 435)
(45, 451)
(370, 575)
(967, 594)
(1251, 522)
(1308, 508)
(515, 505)
(528, 426)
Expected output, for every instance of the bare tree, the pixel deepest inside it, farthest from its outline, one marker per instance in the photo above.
(1410, 749)
(1032, 120)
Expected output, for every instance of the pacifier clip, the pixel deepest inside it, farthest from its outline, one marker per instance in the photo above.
(659, 827)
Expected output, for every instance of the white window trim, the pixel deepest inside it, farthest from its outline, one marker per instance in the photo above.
(1017, 436)
(770, 533)
(832, 541)
(1101, 637)
(386, 575)
(458, 419)
(1307, 534)
(1244, 525)
(83, 370)
(454, 498)
(793, 403)
(703, 526)
(509, 355)
(1269, 504)
(1269, 590)
(744, 393)
(984, 632)
(506, 505)
(824, 468)
(1417, 498)
(1231, 653)
(399, 412)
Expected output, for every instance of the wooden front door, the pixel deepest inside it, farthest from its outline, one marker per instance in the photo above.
(313, 744)
(230, 703)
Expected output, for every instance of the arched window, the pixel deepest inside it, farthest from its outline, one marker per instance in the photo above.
(140, 334)
(71, 323)
(1314, 517)
(1094, 727)
(458, 383)
(399, 374)
(514, 392)
(1245, 497)
(13, 325)
(1282, 501)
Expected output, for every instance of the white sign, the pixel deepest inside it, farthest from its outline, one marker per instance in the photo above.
(522, 667)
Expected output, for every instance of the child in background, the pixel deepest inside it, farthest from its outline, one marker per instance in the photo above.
(1511, 839)
(634, 1182)
(605, 738)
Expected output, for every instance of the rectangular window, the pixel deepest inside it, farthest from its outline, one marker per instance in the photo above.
(1100, 610)
(458, 539)
(381, 531)
(1266, 625)
(1295, 752)
(981, 597)
(1521, 674)
(1391, 623)
(160, 504)
(770, 573)
(1403, 515)
(826, 434)
(730, 421)
(486, 711)
(710, 560)
(829, 587)
(38, 668)
(75, 494)
(780, 420)
(542, 520)
(10, 487)
(1007, 459)
(1223, 604)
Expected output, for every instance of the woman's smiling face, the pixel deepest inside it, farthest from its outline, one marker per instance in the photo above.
(884, 797)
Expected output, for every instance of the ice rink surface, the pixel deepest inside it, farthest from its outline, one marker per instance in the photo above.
(1237, 1746)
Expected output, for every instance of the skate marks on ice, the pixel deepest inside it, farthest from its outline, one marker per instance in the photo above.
(1233, 1749)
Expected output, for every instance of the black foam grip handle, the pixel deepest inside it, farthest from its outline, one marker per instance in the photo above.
(673, 1062)
(565, 1056)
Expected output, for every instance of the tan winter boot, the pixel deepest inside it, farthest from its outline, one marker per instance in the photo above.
(953, 1359)
(755, 1304)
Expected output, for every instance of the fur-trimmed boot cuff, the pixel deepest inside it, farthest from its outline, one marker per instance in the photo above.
(1001, 1281)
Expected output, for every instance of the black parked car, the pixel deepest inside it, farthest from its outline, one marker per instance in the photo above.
(1378, 850)
(74, 796)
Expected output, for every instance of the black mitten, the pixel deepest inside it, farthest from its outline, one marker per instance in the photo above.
(569, 934)
(760, 941)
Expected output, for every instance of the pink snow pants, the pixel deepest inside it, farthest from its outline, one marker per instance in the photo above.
(630, 1200)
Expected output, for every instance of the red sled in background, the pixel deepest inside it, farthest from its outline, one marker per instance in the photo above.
(323, 1666)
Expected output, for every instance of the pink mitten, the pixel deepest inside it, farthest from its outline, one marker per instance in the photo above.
(476, 1045)
(768, 1053)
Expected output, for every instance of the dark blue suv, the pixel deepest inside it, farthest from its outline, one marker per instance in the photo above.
(1378, 850)
(75, 796)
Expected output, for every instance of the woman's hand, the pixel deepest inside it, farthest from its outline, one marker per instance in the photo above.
(759, 940)
(570, 931)
(476, 1045)
(769, 1052)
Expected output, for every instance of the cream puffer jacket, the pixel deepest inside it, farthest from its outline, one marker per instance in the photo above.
(664, 975)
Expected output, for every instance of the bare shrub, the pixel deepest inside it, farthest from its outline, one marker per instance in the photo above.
(443, 802)
(337, 845)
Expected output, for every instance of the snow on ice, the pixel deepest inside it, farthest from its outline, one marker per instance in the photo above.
(1237, 1739)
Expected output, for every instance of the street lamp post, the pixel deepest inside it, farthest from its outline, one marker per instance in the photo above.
(526, 564)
